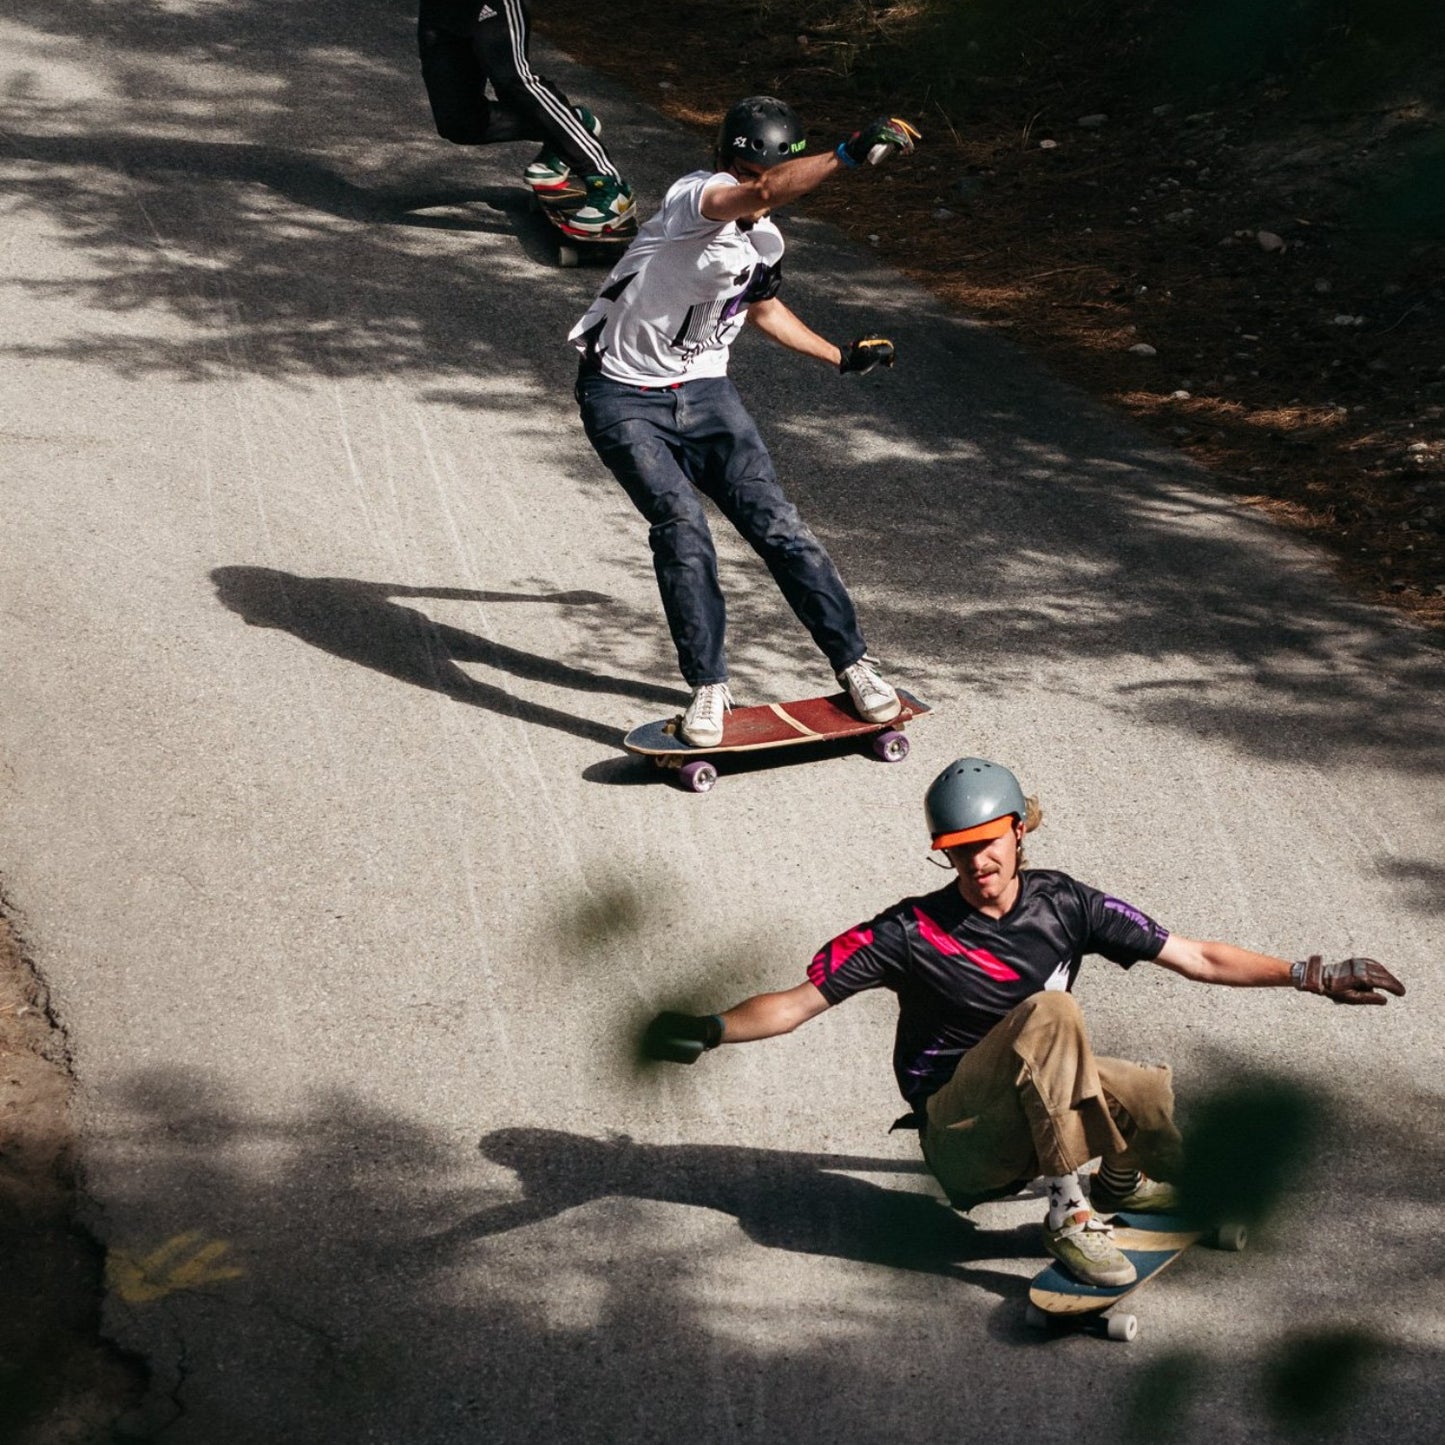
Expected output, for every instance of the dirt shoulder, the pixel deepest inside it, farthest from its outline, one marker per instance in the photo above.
(1253, 269)
(60, 1384)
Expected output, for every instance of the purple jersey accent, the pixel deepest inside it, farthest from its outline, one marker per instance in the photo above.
(1128, 910)
(957, 971)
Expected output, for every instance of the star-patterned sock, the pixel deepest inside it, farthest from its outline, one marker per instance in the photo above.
(1066, 1198)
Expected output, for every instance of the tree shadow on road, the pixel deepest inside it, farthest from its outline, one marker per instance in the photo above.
(358, 621)
(343, 1268)
(302, 180)
(1011, 533)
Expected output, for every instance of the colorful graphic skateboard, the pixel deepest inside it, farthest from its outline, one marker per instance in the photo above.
(575, 245)
(774, 725)
(1152, 1243)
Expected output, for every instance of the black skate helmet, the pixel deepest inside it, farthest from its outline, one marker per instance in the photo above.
(970, 800)
(761, 131)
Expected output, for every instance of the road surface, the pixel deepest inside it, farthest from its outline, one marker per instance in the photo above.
(322, 624)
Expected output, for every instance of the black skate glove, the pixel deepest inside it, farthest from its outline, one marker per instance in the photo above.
(866, 352)
(681, 1038)
(1353, 981)
(879, 139)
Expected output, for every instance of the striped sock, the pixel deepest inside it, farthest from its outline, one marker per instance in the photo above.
(1119, 1180)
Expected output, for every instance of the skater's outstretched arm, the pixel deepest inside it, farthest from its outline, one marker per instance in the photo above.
(758, 193)
(761, 190)
(681, 1038)
(1356, 980)
(779, 324)
(766, 1015)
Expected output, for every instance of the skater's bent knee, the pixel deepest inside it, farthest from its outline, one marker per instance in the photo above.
(1144, 1091)
(1051, 1004)
(1047, 1019)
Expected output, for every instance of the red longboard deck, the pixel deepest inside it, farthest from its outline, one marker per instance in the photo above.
(773, 725)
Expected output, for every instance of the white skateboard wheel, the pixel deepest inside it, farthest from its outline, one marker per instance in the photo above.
(1231, 1237)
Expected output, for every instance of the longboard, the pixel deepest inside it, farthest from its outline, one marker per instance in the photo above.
(573, 243)
(1152, 1242)
(773, 725)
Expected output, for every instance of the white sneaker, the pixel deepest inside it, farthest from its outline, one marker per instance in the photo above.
(702, 723)
(610, 206)
(873, 699)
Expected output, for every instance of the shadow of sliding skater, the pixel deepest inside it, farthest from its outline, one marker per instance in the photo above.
(781, 1200)
(357, 621)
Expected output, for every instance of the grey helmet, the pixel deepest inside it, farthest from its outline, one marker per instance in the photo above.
(967, 797)
(760, 130)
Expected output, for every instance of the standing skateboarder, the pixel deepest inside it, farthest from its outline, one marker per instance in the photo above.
(991, 1052)
(466, 43)
(658, 407)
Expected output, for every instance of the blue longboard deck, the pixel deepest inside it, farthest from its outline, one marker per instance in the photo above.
(773, 725)
(1152, 1243)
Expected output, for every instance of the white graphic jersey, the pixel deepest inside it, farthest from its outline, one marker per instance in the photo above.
(678, 298)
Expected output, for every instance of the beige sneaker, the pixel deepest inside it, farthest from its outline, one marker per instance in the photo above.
(1148, 1196)
(1085, 1246)
(702, 723)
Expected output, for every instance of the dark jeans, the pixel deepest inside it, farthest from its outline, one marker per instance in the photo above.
(668, 444)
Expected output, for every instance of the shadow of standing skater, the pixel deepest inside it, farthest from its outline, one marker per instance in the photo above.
(358, 621)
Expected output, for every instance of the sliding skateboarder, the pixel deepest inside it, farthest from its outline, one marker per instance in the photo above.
(660, 411)
(466, 43)
(991, 1051)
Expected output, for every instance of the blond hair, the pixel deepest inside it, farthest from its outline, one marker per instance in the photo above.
(1033, 816)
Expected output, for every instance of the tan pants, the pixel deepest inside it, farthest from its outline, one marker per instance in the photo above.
(1030, 1098)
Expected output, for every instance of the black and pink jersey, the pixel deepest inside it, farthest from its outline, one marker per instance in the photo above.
(957, 971)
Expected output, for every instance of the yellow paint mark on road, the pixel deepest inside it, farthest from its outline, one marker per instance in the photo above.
(185, 1261)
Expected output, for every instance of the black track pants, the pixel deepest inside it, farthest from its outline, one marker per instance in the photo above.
(466, 43)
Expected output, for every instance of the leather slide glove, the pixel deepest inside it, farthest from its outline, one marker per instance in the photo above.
(866, 352)
(876, 141)
(1356, 980)
(681, 1038)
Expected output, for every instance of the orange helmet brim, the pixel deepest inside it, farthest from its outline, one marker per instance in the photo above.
(994, 828)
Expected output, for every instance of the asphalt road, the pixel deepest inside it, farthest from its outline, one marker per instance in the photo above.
(321, 626)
